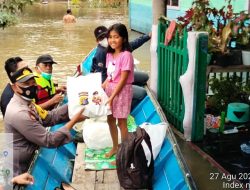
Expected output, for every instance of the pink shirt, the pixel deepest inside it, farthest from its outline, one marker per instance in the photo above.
(123, 62)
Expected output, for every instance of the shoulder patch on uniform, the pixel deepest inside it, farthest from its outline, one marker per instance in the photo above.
(32, 115)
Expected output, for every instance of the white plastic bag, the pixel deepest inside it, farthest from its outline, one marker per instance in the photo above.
(96, 133)
(86, 91)
(157, 133)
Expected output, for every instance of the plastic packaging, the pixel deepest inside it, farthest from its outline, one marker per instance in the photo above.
(230, 131)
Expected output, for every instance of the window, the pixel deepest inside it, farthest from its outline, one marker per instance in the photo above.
(174, 3)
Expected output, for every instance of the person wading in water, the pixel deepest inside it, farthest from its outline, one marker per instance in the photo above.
(69, 18)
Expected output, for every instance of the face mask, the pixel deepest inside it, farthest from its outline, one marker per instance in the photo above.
(29, 92)
(47, 76)
(104, 42)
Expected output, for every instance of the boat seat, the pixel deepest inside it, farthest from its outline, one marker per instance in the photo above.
(145, 112)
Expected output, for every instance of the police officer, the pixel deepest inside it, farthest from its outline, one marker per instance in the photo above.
(26, 121)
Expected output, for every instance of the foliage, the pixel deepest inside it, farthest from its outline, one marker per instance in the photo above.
(241, 29)
(221, 24)
(225, 91)
(7, 19)
(9, 9)
(75, 2)
(105, 3)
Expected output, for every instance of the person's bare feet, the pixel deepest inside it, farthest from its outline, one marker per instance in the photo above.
(112, 152)
(67, 187)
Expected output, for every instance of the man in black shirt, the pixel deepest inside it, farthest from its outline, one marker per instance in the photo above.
(15, 64)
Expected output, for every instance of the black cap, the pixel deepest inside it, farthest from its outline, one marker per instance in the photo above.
(100, 32)
(22, 75)
(45, 59)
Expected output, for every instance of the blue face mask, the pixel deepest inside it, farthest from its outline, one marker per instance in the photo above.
(47, 76)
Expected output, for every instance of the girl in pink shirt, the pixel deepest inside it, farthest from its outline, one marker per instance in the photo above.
(118, 85)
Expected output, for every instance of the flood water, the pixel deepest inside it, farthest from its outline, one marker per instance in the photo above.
(41, 31)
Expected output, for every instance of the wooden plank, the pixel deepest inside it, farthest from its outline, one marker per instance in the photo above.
(110, 181)
(99, 177)
(110, 176)
(92, 180)
(82, 179)
(110, 186)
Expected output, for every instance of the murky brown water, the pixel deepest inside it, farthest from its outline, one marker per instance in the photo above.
(41, 31)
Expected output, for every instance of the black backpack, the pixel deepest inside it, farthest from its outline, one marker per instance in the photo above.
(131, 162)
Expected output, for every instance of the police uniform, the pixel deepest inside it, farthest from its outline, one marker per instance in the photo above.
(26, 121)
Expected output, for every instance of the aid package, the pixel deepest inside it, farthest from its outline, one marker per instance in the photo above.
(86, 92)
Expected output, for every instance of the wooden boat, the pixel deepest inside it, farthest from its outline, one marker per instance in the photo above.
(53, 166)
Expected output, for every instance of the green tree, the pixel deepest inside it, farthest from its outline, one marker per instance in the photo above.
(9, 10)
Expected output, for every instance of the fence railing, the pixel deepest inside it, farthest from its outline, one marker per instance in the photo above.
(241, 71)
(172, 63)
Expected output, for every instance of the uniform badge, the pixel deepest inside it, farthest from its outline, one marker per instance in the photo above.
(32, 115)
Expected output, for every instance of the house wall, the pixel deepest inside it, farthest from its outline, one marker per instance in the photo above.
(173, 12)
(140, 15)
(140, 11)
(238, 5)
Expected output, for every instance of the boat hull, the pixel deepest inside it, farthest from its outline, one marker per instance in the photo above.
(51, 167)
